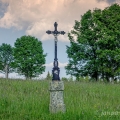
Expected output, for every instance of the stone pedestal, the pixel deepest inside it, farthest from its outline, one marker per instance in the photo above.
(56, 97)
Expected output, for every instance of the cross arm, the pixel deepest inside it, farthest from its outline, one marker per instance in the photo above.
(62, 32)
(49, 32)
(55, 32)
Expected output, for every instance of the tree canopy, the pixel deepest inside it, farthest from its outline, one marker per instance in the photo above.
(95, 45)
(6, 59)
(49, 76)
(29, 58)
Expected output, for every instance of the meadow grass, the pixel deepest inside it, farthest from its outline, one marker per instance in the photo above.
(29, 100)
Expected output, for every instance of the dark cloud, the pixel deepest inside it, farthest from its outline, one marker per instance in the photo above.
(3, 8)
(109, 1)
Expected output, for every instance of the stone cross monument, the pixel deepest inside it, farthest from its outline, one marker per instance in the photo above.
(56, 86)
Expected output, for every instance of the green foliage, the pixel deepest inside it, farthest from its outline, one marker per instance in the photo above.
(6, 58)
(109, 44)
(67, 79)
(64, 79)
(70, 78)
(95, 46)
(29, 57)
(48, 77)
(29, 100)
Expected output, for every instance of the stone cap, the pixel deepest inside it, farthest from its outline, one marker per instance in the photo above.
(56, 86)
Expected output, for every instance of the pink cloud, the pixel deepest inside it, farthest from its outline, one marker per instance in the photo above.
(38, 16)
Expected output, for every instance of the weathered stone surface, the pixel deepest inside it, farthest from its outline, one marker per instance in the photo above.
(56, 85)
(56, 97)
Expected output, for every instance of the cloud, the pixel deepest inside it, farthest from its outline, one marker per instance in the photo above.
(36, 17)
(49, 65)
(1, 75)
(3, 8)
(61, 65)
(110, 1)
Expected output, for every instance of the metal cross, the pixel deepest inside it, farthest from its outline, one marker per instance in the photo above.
(56, 69)
(55, 32)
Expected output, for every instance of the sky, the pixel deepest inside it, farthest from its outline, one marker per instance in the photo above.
(35, 17)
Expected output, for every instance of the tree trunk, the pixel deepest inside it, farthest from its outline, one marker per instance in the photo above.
(107, 78)
(6, 71)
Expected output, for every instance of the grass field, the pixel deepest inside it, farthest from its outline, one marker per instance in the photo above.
(29, 100)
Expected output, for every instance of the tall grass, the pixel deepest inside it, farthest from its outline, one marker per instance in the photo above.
(29, 100)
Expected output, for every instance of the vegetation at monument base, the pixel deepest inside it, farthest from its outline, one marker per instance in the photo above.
(29, 100)
(95, 45)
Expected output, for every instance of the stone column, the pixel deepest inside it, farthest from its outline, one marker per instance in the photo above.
(56, 97)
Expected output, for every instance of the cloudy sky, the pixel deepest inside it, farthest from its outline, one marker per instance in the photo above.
(35, 17)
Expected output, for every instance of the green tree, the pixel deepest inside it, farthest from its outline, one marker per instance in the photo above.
(29, 57)
(64, 79)
(6, 59)
(109, 44)
(82, 53)
(94, 44)
(48, 77)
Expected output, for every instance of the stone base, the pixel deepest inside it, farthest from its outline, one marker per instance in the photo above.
(56, 97)
(57, 108)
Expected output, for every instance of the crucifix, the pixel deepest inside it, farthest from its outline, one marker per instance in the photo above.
(56, 69)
